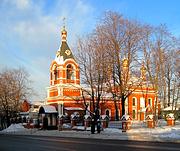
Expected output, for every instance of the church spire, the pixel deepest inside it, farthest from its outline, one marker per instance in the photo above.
(63, 32)
(64, 52)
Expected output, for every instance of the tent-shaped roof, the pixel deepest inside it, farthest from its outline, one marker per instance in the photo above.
(126, 118)
(104, 117)
(47, 109)
(150, 117)
(65, 51)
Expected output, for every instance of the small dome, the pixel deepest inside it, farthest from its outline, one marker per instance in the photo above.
(63, 30)
(63, 34)
(125, 62)
(143, 68)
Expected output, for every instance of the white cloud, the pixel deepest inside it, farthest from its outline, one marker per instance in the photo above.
(30, 33)
(22, 4)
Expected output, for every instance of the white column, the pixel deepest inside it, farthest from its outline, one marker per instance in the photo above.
(49, 119)
(60, 109)
(126, 106)
(59, 91)
(53, 120)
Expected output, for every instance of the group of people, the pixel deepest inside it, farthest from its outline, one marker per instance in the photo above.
(94, 124)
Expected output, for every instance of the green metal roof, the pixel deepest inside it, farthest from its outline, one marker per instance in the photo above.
(64, 52)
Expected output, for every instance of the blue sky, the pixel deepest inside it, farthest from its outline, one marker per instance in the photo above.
(30, 29)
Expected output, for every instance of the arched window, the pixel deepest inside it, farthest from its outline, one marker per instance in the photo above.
(134, 101)
(134, 114)
(150, 101)
(55, 74)
(70, 72)
(108, 112)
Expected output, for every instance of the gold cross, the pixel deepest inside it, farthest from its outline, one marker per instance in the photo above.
(64, 21)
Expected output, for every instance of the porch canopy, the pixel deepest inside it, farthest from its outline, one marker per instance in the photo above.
(47, 109)
(73, 108)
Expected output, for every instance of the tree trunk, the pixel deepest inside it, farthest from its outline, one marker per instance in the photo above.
(116, 111)
(8, 121)
(155, 119)
(123, 105)
(169, 89)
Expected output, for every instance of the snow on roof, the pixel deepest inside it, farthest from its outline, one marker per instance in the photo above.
(103, 117)
(126, 117)
(87, 116)
(34, 110)
(24, 113)
(61, 116)
(48, 108)
(37, 103)
(107, 95)
(170, 115)
(73, 108)
(169, 108)
(74, 116)
(149, 117)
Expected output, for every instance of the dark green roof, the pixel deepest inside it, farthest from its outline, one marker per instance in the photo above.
(64, 47)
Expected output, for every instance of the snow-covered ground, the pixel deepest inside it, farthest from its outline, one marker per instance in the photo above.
(14, 128)
(138, 132)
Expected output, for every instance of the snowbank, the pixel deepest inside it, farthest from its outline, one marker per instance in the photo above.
(171, 136)
(15, 128)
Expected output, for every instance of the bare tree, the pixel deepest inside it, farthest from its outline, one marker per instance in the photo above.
(93, 70)
(123, 37)
(14, 87)
(119, 46)
(176, 81)
(159, 47)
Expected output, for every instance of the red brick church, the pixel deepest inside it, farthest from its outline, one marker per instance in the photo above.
(64, 91)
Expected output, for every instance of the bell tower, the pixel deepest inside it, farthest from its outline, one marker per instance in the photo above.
(64, 76)
(64, 68)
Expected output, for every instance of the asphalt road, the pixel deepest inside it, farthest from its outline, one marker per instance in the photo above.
(42, 143)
